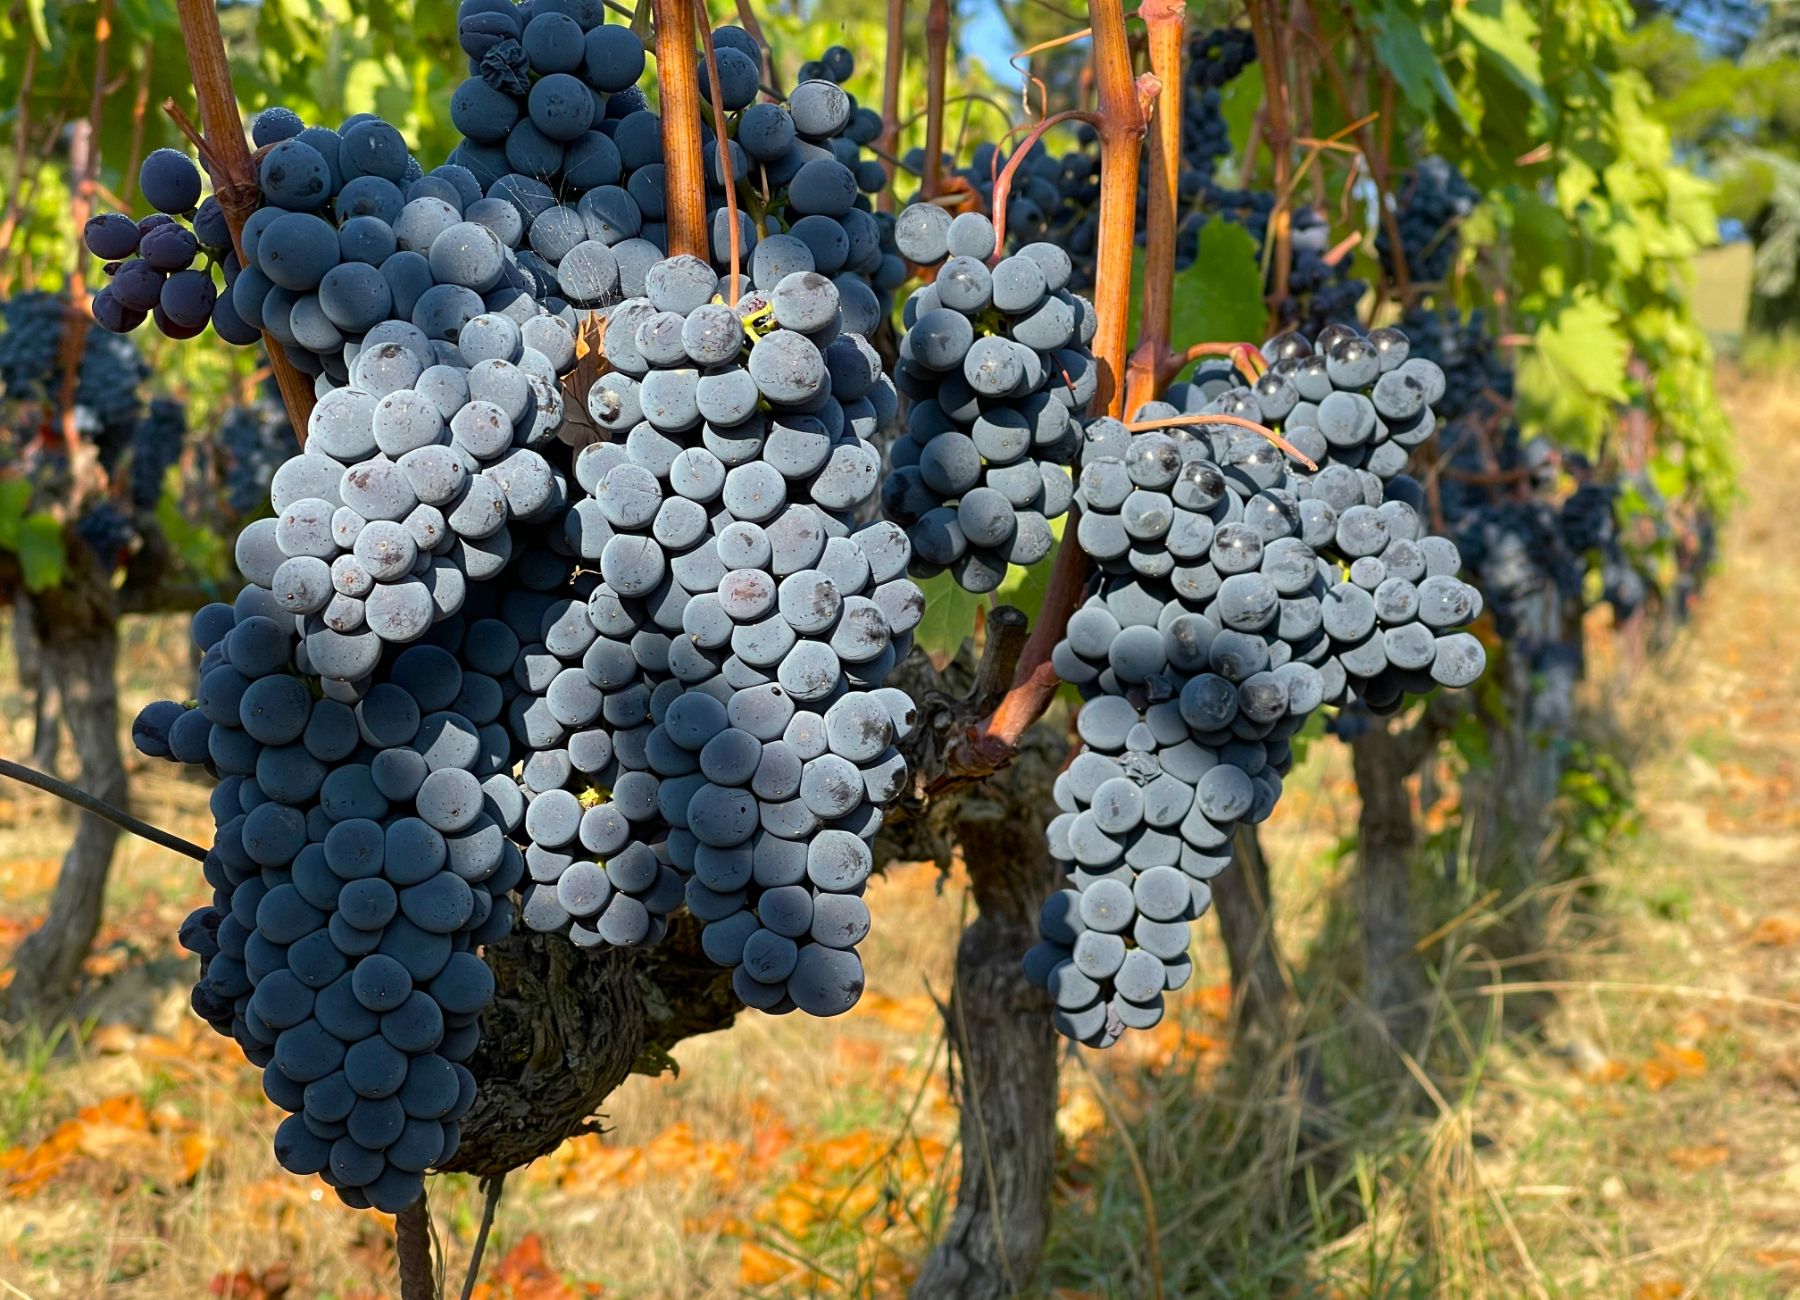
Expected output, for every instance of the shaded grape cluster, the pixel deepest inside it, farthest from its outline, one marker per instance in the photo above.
(1431, 203)
(357, 865)
(996, 363)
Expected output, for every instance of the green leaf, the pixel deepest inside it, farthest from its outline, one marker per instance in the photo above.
(1218, 299)
(1400, 41)
(1574, 371)
(15, 498)
(1502, 31)
(41, 553)
(951, 615)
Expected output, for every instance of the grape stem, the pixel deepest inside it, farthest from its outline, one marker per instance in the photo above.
(1149, 369)
(704, 23)
(100, 808)
(677, 76)
(937, 46)
(1237, 421)
(890, 100)
(233, 173)
(989, 744)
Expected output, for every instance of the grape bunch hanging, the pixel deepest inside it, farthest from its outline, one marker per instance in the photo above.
(509, 653)
(575, 609)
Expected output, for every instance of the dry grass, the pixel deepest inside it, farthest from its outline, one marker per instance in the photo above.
(1625, 1133)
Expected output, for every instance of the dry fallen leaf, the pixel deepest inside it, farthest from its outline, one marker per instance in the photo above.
(524, 1274)
(1671, 1063)
(1776, 931)
(1692, 1159)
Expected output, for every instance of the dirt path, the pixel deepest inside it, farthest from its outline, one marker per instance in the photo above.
(1657, 1154)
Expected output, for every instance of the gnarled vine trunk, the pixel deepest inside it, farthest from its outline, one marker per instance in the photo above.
(78, 645)
(1246, 910)
(999, 1030)
(46, 734)
(1386, 837)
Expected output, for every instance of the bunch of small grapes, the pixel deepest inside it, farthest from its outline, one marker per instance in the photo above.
(996, 362)
(1234, 595)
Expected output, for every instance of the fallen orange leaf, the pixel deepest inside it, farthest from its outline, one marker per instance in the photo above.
(524, 1274)
(1692, 1159)
(1672, 1063)
(760, 1266)
(1775, 931)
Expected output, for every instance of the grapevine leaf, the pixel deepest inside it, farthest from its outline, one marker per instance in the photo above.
(1401, 44)
(951, 615)
(15, 496)
(1218, 298)
(1502, 31)
(41, 553)
(1575, 369)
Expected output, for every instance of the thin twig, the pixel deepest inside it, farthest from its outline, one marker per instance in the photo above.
(1003, 184)
(493, 1187)
(747, 17)
(140, 114)
(1236, 421)
(1024, 69)
(185, 125)
(100, 808)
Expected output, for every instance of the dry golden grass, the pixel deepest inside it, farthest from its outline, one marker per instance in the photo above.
(1625, 1133)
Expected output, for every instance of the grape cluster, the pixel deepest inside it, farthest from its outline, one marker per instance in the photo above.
(155, 446)
(709, 697)
(1234, 595)
(996, 363)
(254, 439)
(358, 862)
(161, 267)
(111, 415)
(109, 404)
(615, 645)
(552, 115)
(1433, 202)
(412, 479)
